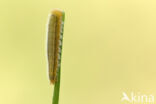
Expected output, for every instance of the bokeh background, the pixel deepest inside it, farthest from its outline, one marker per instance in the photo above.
(109, 47)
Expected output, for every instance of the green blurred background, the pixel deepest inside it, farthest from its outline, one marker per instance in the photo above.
(109, 47)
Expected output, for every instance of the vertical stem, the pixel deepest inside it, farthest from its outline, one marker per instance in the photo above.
(57, 89)
(57, 83)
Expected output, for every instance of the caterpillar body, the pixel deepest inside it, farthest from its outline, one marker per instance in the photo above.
(54, 43)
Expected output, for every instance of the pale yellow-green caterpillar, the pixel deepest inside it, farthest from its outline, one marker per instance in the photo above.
(54, 43)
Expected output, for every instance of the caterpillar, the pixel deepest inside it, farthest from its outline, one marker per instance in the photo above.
(54, 43)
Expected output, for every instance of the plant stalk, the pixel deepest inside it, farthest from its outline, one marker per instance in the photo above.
(57, 89)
